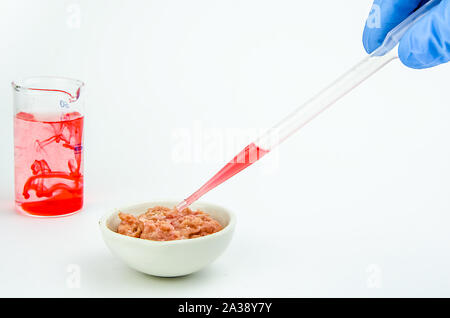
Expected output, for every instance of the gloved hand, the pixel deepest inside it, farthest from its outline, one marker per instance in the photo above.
(426, 44)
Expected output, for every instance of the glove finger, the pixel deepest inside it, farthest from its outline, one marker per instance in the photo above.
(427, 43)
(384, 16)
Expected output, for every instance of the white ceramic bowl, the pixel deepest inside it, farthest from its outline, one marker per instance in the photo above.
(169, 258)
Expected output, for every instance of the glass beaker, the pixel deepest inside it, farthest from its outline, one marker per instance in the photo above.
(48, 145)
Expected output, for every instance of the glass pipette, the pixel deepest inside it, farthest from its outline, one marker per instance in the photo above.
(316, 105)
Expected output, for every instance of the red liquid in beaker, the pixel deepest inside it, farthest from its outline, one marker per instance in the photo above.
(48, 163)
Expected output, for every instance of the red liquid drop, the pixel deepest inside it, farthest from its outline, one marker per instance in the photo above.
(242, 160)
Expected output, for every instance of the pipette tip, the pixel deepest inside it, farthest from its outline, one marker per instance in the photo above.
(182, 205)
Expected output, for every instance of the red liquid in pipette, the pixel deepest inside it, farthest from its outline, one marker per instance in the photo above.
(242, 160)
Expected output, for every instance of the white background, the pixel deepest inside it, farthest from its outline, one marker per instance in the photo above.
(356, 204)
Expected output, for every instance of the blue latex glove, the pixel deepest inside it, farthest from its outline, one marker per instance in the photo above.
(426, 44)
